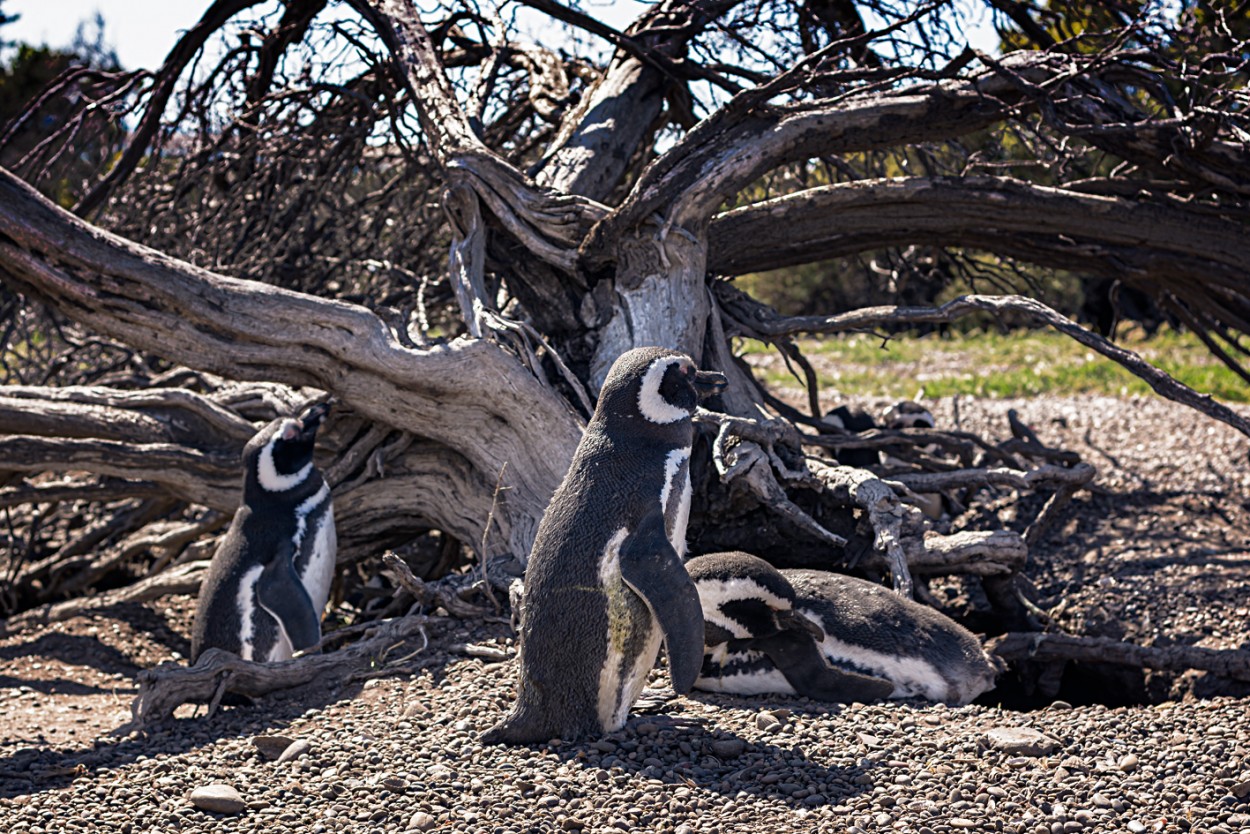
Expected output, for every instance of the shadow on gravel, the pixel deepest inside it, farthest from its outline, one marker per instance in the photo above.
(153, 626)
(73, 650)
(682, 751)
(30, 769)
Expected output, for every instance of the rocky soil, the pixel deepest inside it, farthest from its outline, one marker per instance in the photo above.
(1159, 553)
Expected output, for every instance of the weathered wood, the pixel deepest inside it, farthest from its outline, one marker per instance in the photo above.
(179, 579)
(1229, 663)
(727, 152)
(1045, 475)
(886, 514)
(469, 395)
(167, 687)
(1122, 237)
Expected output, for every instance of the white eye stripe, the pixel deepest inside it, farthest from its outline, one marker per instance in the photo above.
(651, 402)
(714, 593)
(267, 471)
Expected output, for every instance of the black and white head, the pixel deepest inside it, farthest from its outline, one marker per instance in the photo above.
(847, 419)
(744, 597)
(654, 388)
(280, 457)
(908, 414)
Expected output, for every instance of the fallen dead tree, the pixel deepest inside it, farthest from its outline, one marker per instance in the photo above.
(441, 233)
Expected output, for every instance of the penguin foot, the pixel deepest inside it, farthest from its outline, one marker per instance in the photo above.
(513, 731)
(518, 728)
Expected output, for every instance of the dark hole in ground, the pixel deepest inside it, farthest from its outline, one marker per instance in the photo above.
(1028, 686)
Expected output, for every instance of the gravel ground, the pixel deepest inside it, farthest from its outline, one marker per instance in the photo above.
(1161, 553)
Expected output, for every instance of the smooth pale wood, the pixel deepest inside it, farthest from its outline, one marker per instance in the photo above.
(470, 396)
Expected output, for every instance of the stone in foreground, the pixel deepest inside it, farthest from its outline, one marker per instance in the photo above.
(1020, 741)
(220, 799)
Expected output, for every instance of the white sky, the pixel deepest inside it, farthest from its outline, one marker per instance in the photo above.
(143, 31)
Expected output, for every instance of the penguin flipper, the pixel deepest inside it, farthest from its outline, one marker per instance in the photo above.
(282, 594)
(811, 675)
(653, 570)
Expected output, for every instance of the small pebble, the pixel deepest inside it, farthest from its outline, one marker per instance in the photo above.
(767, 722)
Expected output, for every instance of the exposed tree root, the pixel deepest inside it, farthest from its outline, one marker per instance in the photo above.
(860, 488)
(430, 594)
(973, 552)
(163, 689)
(1230, 663)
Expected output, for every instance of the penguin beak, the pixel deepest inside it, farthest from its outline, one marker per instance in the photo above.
(311, 419)
(794, 621)
(709, 383)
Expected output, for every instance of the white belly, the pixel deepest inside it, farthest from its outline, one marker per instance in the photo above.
(755, 682)
(911, 676)
(771, 682)
(319, 572)
(245, 604)
(622, 679)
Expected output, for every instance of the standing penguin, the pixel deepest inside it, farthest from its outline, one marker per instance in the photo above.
(270, 577)
(757, 641)
(605, 583)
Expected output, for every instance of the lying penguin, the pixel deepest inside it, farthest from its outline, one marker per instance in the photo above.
(756, 640)
(605, 583)
(270, 578)
(829, 637)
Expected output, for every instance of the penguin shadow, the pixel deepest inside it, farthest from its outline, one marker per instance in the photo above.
(694, 752)
(34, 769)
(71, 650)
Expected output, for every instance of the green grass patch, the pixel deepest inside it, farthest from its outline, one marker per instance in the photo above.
(993, 364)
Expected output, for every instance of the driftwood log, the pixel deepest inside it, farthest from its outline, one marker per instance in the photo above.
(1228, 663)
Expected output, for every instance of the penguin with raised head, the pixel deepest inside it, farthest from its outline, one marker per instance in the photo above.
(270, 578)
(890, 646)
(756, 641)
(605, 584)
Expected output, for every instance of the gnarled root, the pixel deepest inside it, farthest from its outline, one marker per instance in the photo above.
(167, 687)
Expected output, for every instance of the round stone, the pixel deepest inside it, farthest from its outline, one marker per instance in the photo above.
(219, 799)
